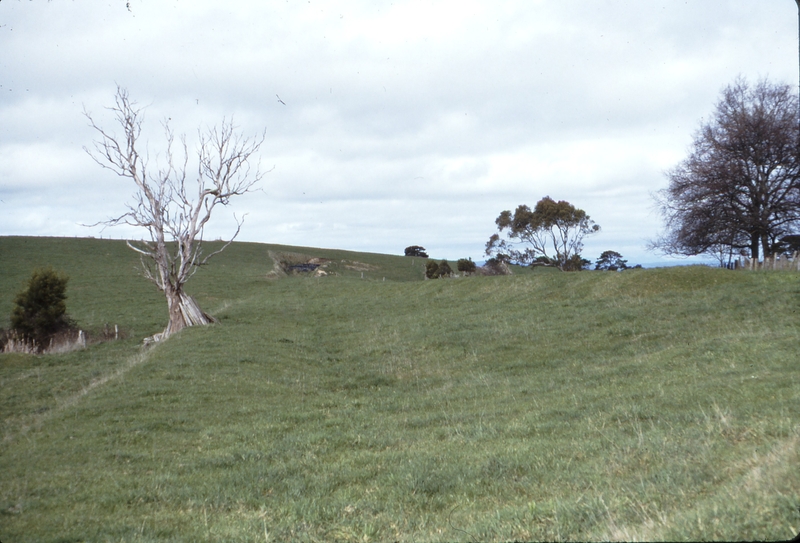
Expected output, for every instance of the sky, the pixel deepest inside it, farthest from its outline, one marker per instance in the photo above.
(387, 123)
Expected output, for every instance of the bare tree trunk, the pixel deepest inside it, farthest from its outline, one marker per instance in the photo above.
(170, 209)
(184, 311)
(766, 248)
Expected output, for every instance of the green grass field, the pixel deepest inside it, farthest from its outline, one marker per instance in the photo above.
(644, 405)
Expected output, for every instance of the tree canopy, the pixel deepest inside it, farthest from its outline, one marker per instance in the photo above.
(416, 250)
(739, 188)
(611, 261)
(552, 233)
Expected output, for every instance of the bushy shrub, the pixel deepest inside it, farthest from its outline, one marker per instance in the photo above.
(466, 265)
(575, 263)
(434, 270)
(40, 311)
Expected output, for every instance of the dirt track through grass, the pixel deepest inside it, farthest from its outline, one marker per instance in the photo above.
(66, 403)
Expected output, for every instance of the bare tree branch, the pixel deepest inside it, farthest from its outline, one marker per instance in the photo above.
(165, 204)
(739, 188)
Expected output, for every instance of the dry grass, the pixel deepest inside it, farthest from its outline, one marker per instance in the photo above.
(63, 342)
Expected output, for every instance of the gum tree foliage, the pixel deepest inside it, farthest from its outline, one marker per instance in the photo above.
(611, 261)
(173, 203)
(550, 234)
(416, 250)
(739, 188)
(40, 311)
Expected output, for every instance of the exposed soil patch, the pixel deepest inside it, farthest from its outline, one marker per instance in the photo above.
(297, 264)
(286, 264)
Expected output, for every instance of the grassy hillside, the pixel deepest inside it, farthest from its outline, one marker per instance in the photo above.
(649, 404)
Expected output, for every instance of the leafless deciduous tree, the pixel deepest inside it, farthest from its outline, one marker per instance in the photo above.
(739, 188)
(171, 206)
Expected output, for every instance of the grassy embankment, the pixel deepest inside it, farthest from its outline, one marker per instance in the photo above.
(651, 404)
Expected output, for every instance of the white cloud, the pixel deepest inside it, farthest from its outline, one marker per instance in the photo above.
(405, 122)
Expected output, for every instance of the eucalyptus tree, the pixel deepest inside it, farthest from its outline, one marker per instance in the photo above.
(173, 204)
(611, 261)
(552, 233)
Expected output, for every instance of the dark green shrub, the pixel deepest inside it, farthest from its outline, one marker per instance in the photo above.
(40, 311)
(435, 270)
(432, 270)
(466, 265)
(575, 263)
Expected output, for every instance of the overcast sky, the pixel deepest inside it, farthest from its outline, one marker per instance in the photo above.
(402, 122)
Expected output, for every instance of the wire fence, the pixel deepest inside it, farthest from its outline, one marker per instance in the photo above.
(771, 263)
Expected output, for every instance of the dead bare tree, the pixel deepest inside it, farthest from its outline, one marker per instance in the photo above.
(175, 211)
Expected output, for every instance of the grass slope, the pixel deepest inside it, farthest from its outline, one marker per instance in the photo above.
(650, 404)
